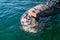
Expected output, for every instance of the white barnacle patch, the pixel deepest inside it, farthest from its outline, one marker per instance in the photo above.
(29, 24)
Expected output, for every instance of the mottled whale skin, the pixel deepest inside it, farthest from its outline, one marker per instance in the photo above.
(29, 24)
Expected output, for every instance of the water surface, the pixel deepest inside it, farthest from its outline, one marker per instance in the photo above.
(10, 14)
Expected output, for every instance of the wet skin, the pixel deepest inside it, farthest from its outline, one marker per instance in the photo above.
(49, 12)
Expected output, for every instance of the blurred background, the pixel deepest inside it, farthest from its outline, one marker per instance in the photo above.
(10, 14)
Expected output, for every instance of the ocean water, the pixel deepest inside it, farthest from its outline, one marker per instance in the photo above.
(10, 14)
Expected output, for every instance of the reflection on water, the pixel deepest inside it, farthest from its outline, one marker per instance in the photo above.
(10, 13)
